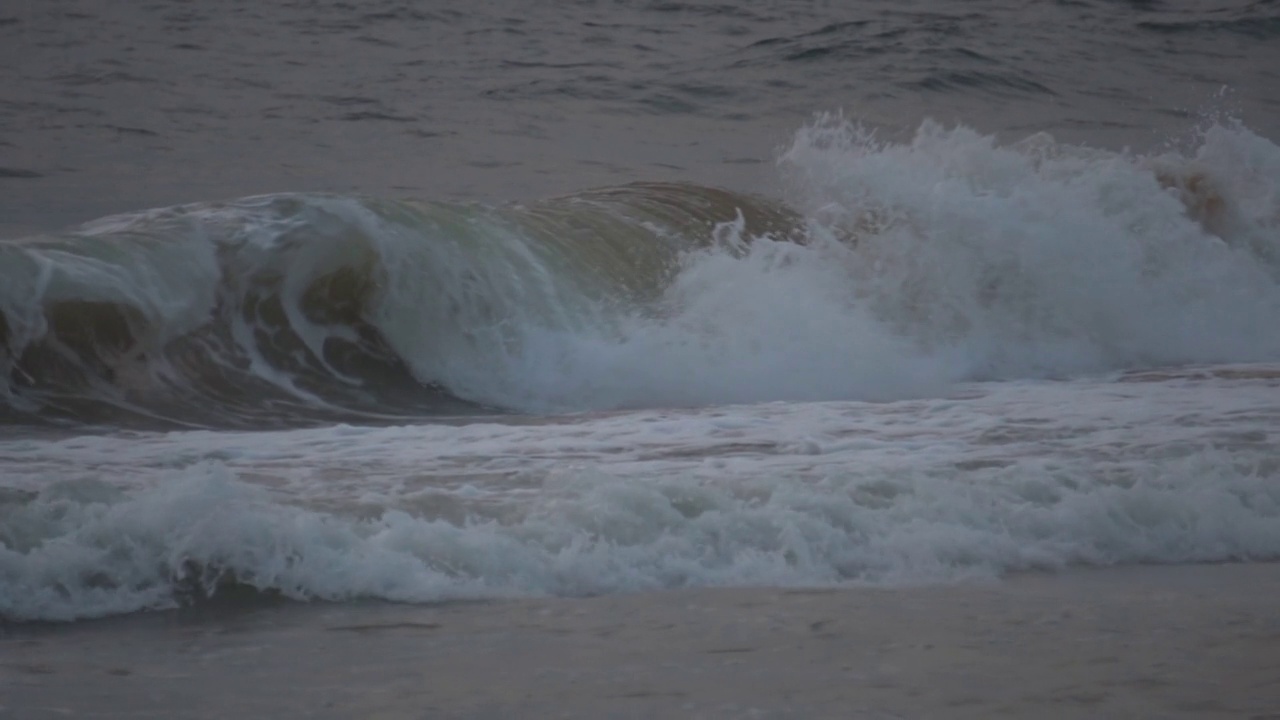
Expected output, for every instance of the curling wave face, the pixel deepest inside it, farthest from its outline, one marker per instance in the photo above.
(892, 270)
(292, 308)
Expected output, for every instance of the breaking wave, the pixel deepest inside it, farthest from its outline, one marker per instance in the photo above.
(87, 548)
(890, 270)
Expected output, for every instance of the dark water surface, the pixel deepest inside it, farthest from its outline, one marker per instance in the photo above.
(110, 107)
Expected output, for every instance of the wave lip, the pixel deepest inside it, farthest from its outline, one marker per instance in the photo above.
(309, 308)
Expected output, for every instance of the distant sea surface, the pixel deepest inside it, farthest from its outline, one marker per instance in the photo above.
(408, 301)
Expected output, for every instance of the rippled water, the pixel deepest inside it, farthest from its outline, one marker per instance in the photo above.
(109, 108)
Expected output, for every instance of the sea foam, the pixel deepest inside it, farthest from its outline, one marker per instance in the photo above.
(1007, 477)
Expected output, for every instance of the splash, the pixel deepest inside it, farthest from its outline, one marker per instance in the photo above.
(1038, 258)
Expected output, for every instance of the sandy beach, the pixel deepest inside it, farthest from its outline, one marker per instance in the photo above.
(1156, 642)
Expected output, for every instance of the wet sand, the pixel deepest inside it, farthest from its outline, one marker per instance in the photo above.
(1167, 642)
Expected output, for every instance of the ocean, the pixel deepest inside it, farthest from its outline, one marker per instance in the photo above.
(424, 302)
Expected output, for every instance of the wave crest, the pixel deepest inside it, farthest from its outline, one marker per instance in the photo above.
(894, 269)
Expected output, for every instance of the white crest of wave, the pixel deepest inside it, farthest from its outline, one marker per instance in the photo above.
(1037, 258)
(86, 549)
(944, 258)
(780, 322)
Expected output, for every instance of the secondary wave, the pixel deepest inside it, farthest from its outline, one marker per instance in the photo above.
(876, 511)
(892, 270)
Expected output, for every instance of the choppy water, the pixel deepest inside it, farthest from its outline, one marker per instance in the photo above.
(611, 296)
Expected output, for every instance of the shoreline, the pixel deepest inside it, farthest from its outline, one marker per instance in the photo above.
(1139, 641)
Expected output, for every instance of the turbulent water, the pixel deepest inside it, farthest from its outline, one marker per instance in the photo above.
(1039, 332)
